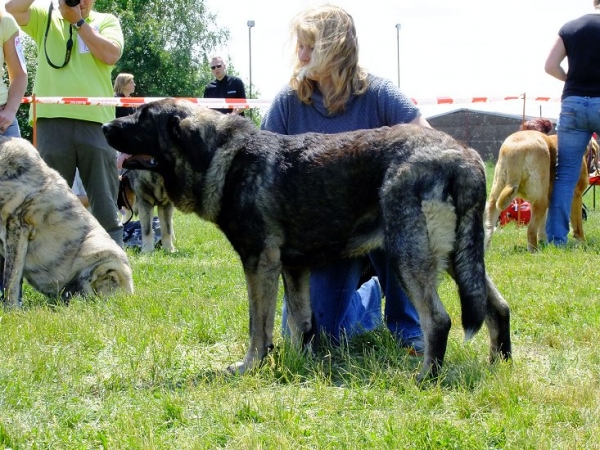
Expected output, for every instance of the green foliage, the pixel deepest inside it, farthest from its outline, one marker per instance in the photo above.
(30, 52)
(167, 45)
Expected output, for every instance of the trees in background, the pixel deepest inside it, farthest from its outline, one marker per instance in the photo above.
(168, 46)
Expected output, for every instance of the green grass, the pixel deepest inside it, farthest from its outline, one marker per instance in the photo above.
(146, 371)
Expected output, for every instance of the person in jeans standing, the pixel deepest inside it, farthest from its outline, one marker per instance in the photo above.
(579, 42)
(78, 50)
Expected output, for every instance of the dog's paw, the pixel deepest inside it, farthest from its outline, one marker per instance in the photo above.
(168, 248)
(238, 368)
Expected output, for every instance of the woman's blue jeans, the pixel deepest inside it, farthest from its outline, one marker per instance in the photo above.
(579, 119)
(339, 307)
(13, 130)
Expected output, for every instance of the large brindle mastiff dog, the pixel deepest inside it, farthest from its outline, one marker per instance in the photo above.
(289, 203)
(47, 236)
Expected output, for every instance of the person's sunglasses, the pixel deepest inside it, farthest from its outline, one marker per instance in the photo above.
(218, 66)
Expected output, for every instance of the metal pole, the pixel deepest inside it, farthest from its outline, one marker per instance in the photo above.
(250, 25)
(398, 26)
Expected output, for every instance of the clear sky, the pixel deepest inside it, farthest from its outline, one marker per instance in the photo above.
(460, 48)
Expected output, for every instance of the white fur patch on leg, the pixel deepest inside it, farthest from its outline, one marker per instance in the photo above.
(441, 229)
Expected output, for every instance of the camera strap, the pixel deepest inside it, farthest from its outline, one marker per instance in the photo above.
(69, 42)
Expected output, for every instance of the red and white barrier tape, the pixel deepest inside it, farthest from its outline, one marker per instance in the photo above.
(254, 103)
(138, 101)
(459, 100)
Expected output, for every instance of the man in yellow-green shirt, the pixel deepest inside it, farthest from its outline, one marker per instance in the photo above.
(77, 50)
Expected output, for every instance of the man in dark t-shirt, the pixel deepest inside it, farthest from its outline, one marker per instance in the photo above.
(224, 86)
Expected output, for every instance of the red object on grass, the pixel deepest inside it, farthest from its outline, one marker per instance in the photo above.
(518, 211)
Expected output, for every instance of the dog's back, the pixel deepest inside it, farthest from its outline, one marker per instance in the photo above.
(526, 162)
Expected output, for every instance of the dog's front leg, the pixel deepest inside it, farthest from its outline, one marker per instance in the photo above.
(145, 213)
(262, 280)
(15, 251)
(297, 288)
(165, 216)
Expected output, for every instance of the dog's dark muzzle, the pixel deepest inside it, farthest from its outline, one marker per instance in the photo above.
(110, 133)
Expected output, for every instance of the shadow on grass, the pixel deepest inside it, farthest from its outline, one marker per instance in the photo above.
(370, 359)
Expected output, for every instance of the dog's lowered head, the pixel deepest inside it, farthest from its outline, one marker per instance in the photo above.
(164, 125)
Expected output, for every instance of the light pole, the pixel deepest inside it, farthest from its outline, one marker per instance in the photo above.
(398, 26)
(250, 25)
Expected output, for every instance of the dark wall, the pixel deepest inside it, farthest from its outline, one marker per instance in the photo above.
(480, 130)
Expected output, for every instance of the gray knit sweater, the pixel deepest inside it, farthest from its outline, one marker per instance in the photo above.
(383, 104)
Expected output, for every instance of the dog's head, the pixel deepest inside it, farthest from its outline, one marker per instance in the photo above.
(111, 277)
(160, 129)
(106, 278)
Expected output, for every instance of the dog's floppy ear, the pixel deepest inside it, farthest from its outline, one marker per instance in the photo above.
(174, 126)
(195, 139)
(166, 131)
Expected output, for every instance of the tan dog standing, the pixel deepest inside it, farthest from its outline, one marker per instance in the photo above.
(526, 168)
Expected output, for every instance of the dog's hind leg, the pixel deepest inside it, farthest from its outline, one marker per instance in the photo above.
(300, 317)
(498, 323)
(262, 280)
(577, 204)
(492, 213)
(418, 245)
(536, 229)
(500, 194)
(167, 236)
(435, 323)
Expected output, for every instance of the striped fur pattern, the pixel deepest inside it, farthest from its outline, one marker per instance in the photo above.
(146, 190)
(47, 236)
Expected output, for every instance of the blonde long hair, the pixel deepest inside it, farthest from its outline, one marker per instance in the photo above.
(121, 81)
(331, 31)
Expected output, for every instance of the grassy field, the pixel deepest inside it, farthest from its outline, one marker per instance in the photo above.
(146, 371)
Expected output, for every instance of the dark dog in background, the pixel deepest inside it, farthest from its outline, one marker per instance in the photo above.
(289, 203)
(140, 192)
(47, 236)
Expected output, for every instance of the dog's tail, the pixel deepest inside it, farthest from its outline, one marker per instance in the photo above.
(468, 265)
(506, 196)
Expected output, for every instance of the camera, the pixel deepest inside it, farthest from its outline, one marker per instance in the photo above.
(72, 3)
